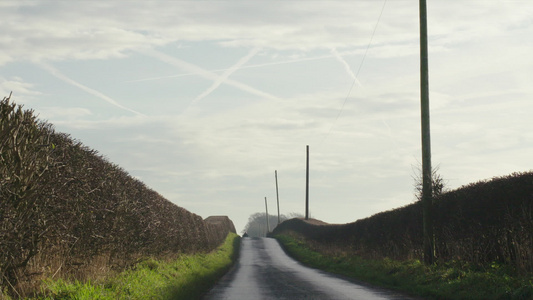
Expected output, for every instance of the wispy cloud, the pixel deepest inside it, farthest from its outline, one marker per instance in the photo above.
(18, 86)
(227, 74)
(87, 89)
(205, 73)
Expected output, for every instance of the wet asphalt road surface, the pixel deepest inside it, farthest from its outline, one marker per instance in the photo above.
(264, 271)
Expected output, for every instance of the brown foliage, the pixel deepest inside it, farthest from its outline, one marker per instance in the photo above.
(24, 158)
(64, 209)
(484, 222)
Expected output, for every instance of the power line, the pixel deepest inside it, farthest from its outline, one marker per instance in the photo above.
(357, 74)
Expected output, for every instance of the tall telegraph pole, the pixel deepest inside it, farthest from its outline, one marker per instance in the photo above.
(266, 207)
(277, 194)
(307, 186)
(429, 242)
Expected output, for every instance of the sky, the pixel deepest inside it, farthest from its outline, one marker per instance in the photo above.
(204, 100)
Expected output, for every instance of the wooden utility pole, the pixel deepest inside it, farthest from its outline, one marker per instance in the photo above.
(427, 198)
(266, 207)
(277, 194)
(307, 186)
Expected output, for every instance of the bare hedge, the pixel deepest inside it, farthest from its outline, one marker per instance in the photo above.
(481, 223)
(64, 208)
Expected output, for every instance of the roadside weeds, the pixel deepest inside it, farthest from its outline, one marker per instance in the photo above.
(450, 280)
(186, 277)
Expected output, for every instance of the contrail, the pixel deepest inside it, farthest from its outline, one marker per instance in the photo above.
(226, 74)
(204, 73)
(343, 62)
(291, 61)
(163, 77)
(89, 90)
(389, 131)
(346, 65)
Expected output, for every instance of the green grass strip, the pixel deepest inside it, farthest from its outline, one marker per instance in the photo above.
(188, 277)
(445, 281)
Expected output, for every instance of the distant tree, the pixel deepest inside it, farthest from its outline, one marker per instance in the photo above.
(256, 226)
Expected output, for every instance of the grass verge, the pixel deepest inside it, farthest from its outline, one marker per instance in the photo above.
(187, 277)
(445, 281)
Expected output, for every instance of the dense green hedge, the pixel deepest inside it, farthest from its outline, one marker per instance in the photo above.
(63, 206)
(481, 223)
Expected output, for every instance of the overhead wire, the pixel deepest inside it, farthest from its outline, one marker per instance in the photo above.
(356, 74)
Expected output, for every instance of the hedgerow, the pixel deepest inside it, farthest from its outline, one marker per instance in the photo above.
(65, 211)
(479, 224)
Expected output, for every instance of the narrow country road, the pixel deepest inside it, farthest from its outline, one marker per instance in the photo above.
(264, 271)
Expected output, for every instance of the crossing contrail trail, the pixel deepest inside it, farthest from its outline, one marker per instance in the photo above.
(291, 61)
(204, 73)
(343, 62)
(222, 78)
(346, 65)
(87, 89)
